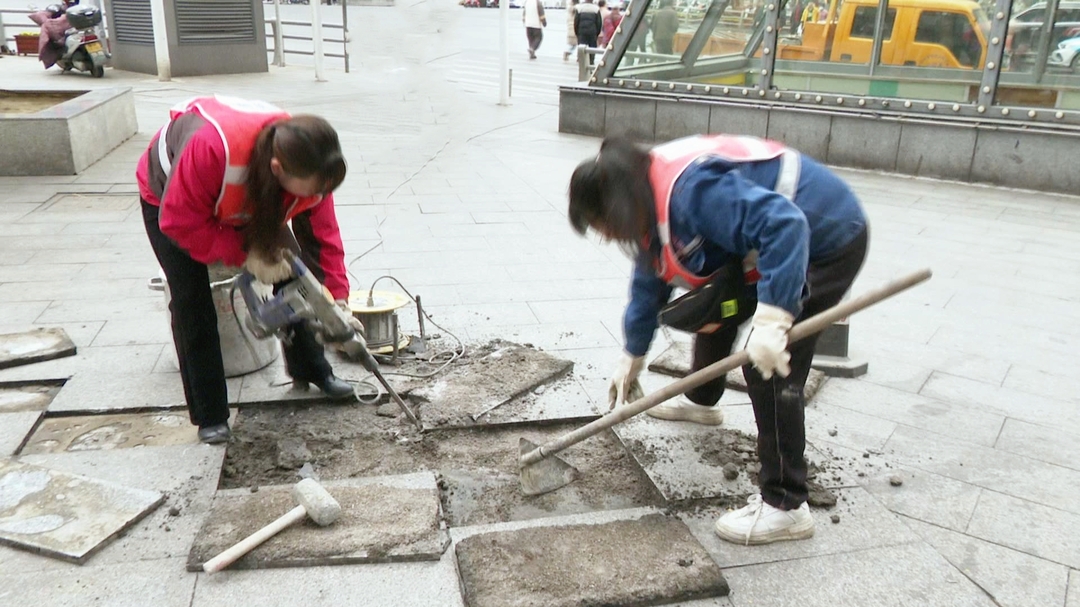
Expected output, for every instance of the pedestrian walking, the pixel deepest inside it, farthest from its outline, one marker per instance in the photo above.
(757, 232)
(535, 21)
(588, 24)
(610, 24)
(571, 33)
(665, 24)
(218, 184)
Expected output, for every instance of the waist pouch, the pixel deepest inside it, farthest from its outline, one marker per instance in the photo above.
(730, 298)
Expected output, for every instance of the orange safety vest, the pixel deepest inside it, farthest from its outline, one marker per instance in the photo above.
(238, 123)
(671, 159)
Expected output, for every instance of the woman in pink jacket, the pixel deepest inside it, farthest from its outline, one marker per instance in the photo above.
(218, 184)
(610, 24)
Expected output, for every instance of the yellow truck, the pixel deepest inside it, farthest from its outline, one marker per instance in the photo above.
(924, 33)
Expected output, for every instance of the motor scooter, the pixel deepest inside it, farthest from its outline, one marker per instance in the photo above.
(75, 40)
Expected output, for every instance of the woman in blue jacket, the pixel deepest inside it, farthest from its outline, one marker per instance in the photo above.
(749, 227)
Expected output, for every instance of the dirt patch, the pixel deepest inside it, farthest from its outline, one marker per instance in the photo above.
(477, 467)
(12, 102)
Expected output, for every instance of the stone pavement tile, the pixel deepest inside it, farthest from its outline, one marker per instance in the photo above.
(74, 289)
(14, 428)
(603, 270)
(1033, 528)
(162, 583)
(19, 396)
(381, 585)
(143, 268)
(38, 272)
(383, 519)
(14, 258)
(128, 360)
(1059, 386)
(541, 290)
(479, 314)
(109, 229)
(81, 333)
(100, 255)
(186, 474)
(133, 332)
(652, 559)
(864, 524)
(879, 352)
(33, 346)
(81, 311)
(579, 309)
(1012, 578)
(866, 577)
(65, 516)
(1040, 442)
(913, 409)
(991, 469)
(846, 427)
(1073, 599)
(22, 312)
(893, 373)
(121, 431)
(70, 242)
(549, 336)
(1003, 401)
(88, 392)
(924, 496)
(1042, 349)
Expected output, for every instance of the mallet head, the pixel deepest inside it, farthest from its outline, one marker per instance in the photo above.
(317, 501)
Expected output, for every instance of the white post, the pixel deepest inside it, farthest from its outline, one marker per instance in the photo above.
(316, 38)
(279, 37)
(161, 39)
(504, 52)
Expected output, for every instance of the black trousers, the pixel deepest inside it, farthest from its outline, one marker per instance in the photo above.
(195, 333)
(778, 403)
(535, 36)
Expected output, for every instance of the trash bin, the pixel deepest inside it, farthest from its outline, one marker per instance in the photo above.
(241, 351)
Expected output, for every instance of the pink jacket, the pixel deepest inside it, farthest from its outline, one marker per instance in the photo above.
(187, 211)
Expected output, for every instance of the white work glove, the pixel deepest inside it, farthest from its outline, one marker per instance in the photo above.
(267, 271)
(354, 322)
(624, 385)
(767, 345)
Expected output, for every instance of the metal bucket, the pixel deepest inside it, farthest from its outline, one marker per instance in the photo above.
(241, 351)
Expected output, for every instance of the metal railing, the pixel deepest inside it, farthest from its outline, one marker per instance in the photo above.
(584, 68)
(9, 41)
(277, 25)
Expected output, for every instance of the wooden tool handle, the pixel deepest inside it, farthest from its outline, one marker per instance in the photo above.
(246, 545)
(810, 326)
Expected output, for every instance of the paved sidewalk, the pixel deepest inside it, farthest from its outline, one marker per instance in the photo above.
(972, 396)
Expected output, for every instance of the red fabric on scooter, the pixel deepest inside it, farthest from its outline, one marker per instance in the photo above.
(51, 43)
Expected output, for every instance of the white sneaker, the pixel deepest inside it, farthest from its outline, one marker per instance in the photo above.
(760, 523)
(682, 410)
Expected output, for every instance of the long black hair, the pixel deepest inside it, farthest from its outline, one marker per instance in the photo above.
(305, 145)
(612, 194)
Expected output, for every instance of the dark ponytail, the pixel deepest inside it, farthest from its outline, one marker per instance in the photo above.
(305, 146)
(612, 192)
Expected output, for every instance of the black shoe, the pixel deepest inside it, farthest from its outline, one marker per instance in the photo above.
(213, 435)
(336, 388)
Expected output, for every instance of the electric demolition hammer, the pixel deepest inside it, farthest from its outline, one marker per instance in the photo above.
(305, 299)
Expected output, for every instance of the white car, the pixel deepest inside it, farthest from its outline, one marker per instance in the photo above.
(1066, 54)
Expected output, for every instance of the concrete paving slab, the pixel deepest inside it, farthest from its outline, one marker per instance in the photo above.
(649, 561)
(162, 583)
(383, 519)
(870, 577)
(21, 396)
(34, 346)
(1047, 532)
(103, 432)
(926, 497)
(187, 475)
(417, 584)
(992, 469)
(996, 569)
(1073, 600)
(846, 427)
(864, 524)
(99, 393)
(64, 515)
(1040, 442)
(14, 429)
(1009, 402)
(487, 378)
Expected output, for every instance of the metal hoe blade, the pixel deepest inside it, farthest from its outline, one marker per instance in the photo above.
(545, 475)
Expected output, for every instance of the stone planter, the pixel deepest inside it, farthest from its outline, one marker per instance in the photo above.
(66, 138)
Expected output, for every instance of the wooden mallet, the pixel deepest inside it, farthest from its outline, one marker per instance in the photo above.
(314, 501)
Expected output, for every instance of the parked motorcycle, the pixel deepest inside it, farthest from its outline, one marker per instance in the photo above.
(72, 39)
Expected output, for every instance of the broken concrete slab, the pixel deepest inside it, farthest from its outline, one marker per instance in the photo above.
(14, 428)
(484, 381)
(26, 396)
(652, 560)
(186, 474)
(675, 361)
(121, 431)
(34, 346)
(63, 515)
(563, 400)
(383, 519)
